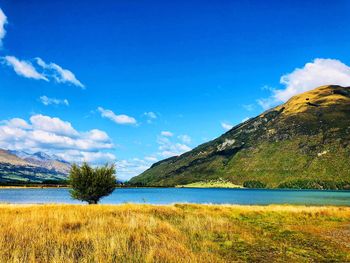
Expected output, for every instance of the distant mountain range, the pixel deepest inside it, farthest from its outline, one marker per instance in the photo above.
(20, 166)
(304, 143)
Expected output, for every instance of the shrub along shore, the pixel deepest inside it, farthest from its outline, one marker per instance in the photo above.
(175, 233)
(253, 184)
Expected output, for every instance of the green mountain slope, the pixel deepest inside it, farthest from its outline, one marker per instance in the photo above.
(303, 143)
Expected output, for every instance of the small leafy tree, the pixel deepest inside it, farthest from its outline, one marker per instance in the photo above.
(91, 184)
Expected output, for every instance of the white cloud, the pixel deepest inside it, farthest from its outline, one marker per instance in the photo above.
(23, 68)
(167, 134)
(97, 135)
(56, 136)
(98, 157)
(150, 115)
(17, 123)
(55, 125)
(226, 126)
(314, 74)
(53, 101)
(317, 73)
(185, 138)
(60, 74)
(120, 119)
(3, 22)
(94, 158)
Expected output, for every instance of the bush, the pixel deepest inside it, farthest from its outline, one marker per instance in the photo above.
(55, 182)
(315, 184)
(91, 184)
(254, 184)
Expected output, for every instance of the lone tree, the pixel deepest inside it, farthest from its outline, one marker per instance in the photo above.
(91, 184)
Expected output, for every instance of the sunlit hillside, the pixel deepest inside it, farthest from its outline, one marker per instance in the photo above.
(303, 143)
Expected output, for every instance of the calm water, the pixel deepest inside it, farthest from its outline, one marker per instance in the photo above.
(184, 195)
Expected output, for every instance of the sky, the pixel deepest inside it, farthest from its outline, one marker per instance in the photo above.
(134, 82)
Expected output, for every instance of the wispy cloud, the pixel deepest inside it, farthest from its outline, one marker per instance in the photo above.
(132, 167)
(41, 71)
(226, 126)
(26, 69)
(167, 134)
(249, 107)
(267, 103)
(185, 138)
(3, 22)
(168, 147)
(119, 119)
(23, 68)
(151, 116)
(53, 101)
(151, 158)
(314, 74)
(58, 73)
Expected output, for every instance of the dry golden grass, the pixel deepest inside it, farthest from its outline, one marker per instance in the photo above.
(322, 96)
(178, 233)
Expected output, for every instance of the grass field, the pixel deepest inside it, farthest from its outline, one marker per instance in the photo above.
(178, 233)
(211, 184)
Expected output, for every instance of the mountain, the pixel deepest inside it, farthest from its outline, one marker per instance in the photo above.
(44, 160)
(20, 166)
(8, 157)
(304, 143)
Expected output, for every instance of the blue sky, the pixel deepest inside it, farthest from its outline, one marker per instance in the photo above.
(139, 81)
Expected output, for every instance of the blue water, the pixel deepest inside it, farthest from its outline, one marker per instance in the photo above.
(184, 195)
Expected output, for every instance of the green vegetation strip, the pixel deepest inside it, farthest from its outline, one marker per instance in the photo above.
(211, 184)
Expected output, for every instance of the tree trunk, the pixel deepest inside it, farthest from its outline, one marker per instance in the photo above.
(92, 202)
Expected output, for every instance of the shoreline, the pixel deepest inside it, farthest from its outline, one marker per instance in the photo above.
(275, 207)
(175, 187)
(243, 206)
(31, 187)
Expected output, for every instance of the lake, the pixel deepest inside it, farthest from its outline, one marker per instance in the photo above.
(183, 195)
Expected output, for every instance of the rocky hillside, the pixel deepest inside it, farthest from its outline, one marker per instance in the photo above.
(304, 143)
(18, 166)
